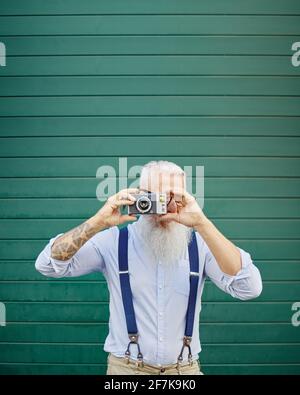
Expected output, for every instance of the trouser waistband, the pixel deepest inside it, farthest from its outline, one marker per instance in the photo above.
(154, 368)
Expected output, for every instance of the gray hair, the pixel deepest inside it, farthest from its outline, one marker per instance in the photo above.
(162, 166)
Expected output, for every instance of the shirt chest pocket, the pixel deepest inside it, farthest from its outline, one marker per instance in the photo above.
(181, 280)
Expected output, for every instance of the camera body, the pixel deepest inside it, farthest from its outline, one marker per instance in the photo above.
(149, 203)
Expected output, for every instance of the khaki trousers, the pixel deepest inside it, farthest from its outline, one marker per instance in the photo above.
(119, 366)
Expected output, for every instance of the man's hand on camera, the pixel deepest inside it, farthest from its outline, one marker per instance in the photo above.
(110, 214)
(188, 213)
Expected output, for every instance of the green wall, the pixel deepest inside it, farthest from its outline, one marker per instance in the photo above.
(197, 82)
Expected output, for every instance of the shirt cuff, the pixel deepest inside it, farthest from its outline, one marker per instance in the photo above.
(242, 273)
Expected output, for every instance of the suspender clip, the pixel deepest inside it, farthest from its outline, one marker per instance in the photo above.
(186, 343)
(133, 337)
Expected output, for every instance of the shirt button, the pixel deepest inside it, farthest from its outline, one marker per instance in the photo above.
(160, 339)
(160, 314)
(160, 287)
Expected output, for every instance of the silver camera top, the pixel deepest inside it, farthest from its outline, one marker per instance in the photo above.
(149, 203)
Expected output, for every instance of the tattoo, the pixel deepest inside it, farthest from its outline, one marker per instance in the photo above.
(69, 243)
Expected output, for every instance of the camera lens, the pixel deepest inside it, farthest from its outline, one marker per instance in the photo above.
(143, 204)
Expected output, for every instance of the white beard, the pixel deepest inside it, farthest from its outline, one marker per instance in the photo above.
(169, 242)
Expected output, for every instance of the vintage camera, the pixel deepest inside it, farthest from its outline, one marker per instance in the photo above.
(149, 203)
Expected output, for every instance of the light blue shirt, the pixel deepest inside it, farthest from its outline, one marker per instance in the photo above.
(160, 292)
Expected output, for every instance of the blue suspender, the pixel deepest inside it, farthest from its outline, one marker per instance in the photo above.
(125, 283)
(127, 295)
(190, 315)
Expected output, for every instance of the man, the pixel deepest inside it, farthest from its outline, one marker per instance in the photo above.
(159, 272)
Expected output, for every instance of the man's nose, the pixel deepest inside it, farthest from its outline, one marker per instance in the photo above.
(172, 206)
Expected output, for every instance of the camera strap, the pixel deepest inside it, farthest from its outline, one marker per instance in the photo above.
(128, 302)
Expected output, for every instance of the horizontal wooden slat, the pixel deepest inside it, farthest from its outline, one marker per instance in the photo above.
(66, 312)
(251, 353)
(85, 208)
(159, 146)
(56, 7)
(250, 369)
(151, 126)
(149, 45)
(95, 292)
(49, 369)
(218, 313)
(55, 333)
(149, 105)
(25, 270)
(63, 353)
(149, 65)
(86, 188)
(278, 270)
(138, 85)
(276, 314)
(96, 369)
(232, 228)
(96, 333)
(150, 24)
(87, 167)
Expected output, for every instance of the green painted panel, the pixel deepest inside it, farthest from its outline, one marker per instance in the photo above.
(149, 105)
(149, 45)
(151, 24)
(123, 146)
(85, 369)
(252, 369)
(56, 7)
(96, 333)
(233, 228)
(206, 83)
(214, 313)
(214, 208)
(150, 65)
(95, 369)
(84, 312)
(86, 291)
(48, 369)
(151, 126)
(272, 269)
(213, 166)
(90, 353)
(138, 85)
(86, 188)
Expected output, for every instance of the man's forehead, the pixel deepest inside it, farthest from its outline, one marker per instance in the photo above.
(163, 181)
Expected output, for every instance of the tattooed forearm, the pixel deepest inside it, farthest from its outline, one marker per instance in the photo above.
(69, 243)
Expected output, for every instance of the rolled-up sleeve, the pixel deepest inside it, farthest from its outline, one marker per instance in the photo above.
(88, 259)
(245, 285)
